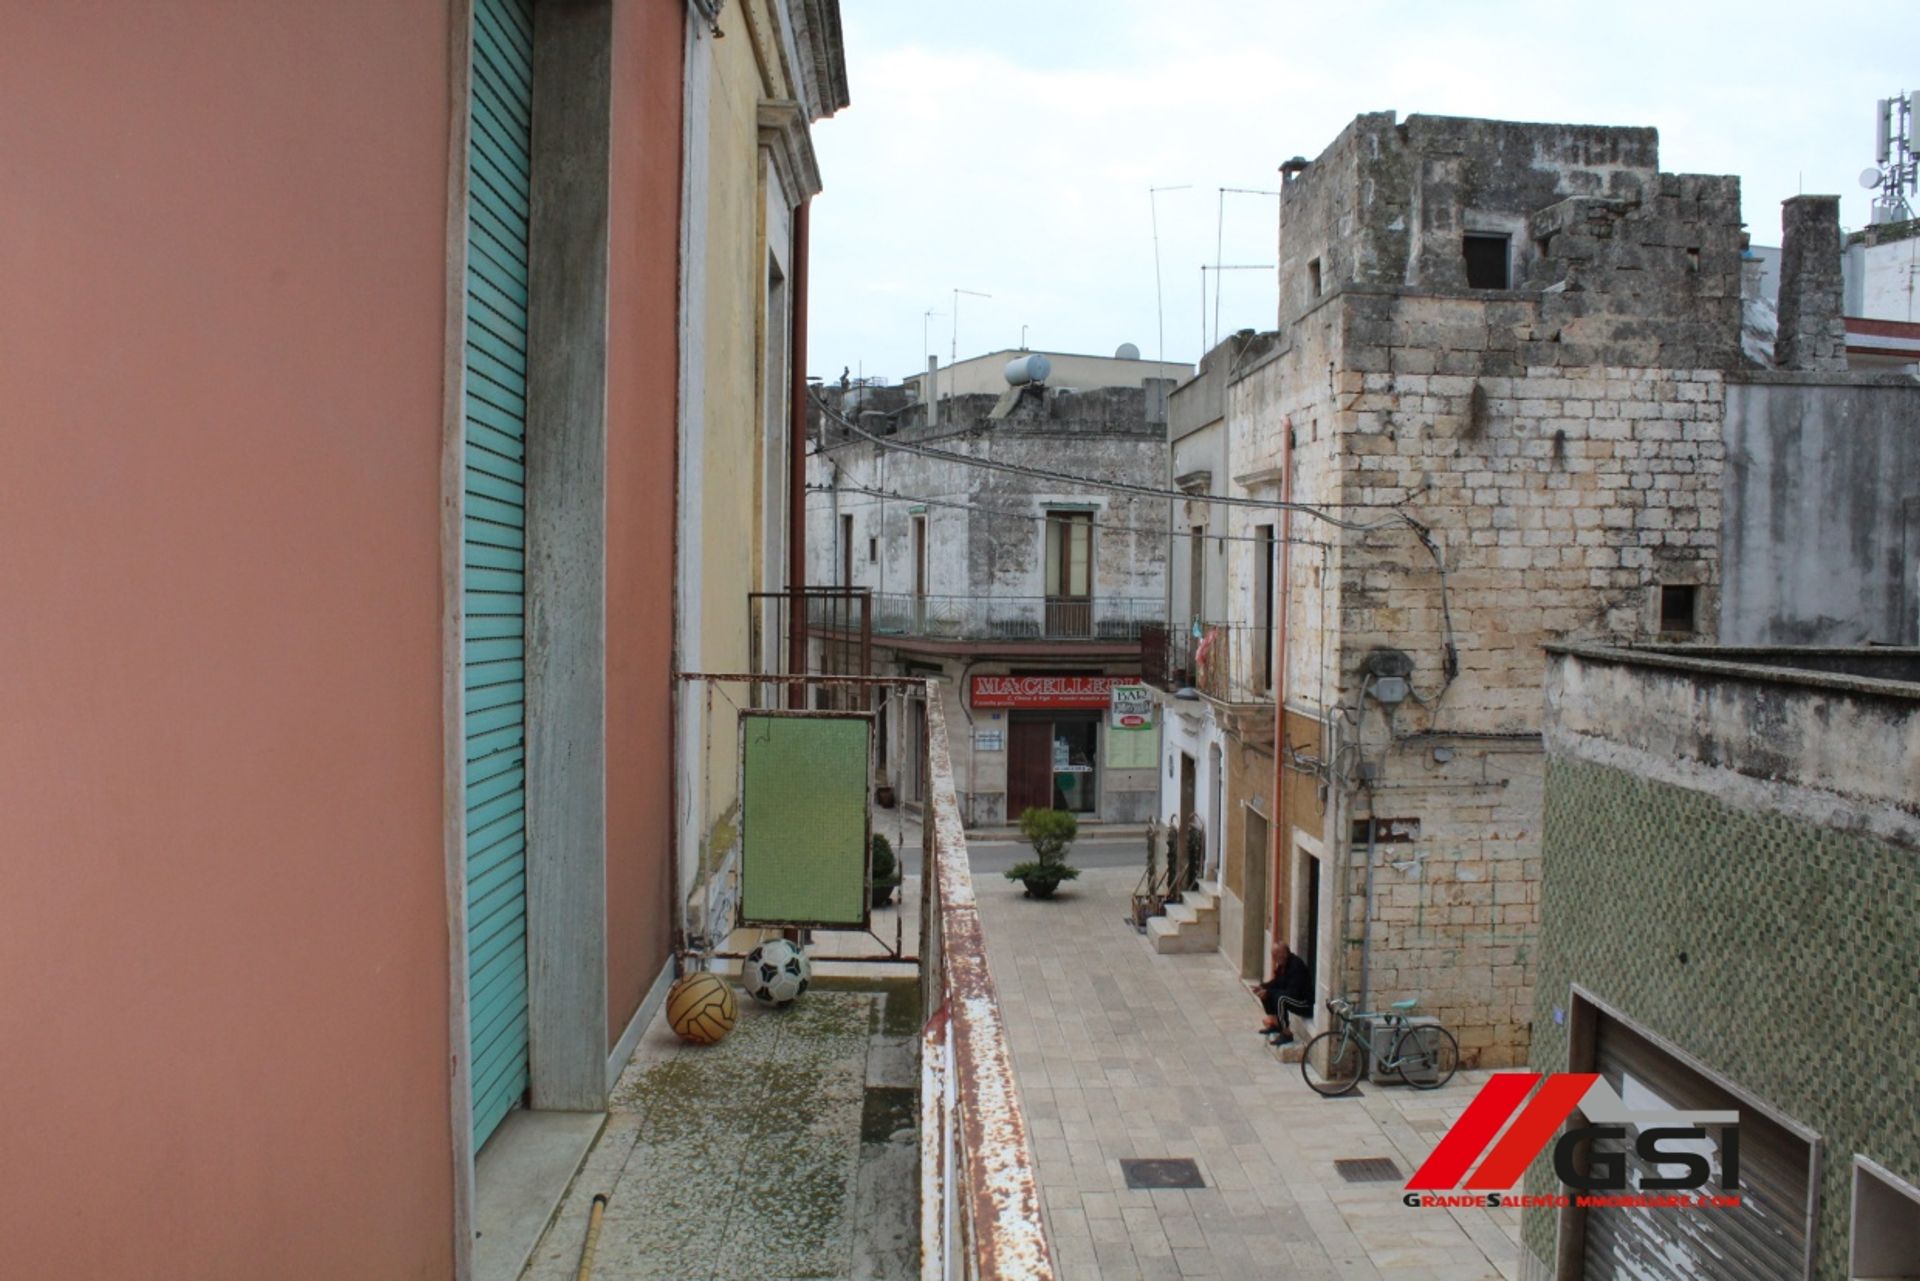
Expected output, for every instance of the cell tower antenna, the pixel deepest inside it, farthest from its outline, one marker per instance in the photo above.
(1895, 173)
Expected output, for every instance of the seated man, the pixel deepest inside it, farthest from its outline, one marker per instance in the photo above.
(1289, 991)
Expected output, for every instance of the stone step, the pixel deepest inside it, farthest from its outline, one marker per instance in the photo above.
(1170, 936)
(1191, 912)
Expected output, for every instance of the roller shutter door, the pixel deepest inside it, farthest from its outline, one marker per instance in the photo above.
(494, 563)
(1764, 1239)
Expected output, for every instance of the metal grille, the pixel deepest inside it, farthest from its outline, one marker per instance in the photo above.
(1368, 1169)
(1161, 1172)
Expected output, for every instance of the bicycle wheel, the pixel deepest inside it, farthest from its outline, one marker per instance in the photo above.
(1333, 1063)
(1427, 1056)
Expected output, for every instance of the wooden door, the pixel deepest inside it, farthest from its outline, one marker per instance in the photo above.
(1029, 767)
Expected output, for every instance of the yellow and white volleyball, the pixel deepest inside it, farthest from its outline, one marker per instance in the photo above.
(700, 1008)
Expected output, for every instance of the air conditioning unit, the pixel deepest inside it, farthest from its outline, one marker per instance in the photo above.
(1381, 1038)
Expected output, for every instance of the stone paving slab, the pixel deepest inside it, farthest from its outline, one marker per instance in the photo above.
(1123, 1053)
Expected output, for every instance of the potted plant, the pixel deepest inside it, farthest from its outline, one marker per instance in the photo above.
(886, 871)
(1050, 832)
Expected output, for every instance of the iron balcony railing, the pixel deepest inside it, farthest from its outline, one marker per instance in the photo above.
(1014, 618)
(1228, 662)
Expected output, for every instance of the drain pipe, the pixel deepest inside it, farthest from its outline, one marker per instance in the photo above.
(1366, 919)
(797, 458)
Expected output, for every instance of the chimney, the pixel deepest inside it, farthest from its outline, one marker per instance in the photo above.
(1813, 337)
(933, 391)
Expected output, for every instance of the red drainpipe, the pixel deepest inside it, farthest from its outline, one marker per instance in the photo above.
(797, 465)
(1284, 599)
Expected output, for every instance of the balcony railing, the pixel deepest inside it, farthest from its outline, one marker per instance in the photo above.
(1014, 618)
(1229, 662)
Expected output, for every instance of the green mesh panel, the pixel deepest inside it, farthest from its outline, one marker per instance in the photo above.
(803, 842)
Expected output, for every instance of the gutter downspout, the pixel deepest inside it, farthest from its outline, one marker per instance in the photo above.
(797, 466)
(1366, 921)
(1283, 591)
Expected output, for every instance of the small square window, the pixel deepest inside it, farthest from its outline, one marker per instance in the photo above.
(1313, 278)
(1678, 602)
(1487, 260)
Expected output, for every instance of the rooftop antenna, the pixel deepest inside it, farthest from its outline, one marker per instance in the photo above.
(1895, 173)
(1219, 239)
(1219, 267)
(1159, 299)
(953, 356)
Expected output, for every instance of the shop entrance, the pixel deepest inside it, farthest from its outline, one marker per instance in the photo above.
(1051, 762)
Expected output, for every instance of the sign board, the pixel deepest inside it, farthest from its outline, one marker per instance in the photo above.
(989, 740)
(1057, 693)
(804, 821)
(1130, 706)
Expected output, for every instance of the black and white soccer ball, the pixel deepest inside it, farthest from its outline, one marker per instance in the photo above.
(776, 973)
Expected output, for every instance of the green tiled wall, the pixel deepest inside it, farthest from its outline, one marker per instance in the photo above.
(1801, 982)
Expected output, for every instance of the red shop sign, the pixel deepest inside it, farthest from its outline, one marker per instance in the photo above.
(1088, 693)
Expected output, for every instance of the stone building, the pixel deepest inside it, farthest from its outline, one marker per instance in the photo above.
(1730, 892)
(1490, 419)
(1025, 594)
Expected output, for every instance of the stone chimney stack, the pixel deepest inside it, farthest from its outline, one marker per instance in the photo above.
(1812, 334)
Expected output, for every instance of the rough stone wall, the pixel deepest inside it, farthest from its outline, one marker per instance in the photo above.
(990, 542)
(1556, 447)
(1387, 203)
(1812, 334)
(1666, 860)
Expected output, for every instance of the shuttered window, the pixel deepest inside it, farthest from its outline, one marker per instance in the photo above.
(494, 561)
(1762, 1240)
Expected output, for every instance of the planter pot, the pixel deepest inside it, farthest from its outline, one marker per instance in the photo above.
(883, 894)
(883, 797)
(1040, 887)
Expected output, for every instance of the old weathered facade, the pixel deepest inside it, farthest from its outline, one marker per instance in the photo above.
(1024, 591)
(1494, 405)
(1730, 895)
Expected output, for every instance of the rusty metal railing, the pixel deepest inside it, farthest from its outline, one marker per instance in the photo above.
(980, 1213)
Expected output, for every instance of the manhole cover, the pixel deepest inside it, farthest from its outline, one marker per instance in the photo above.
(1161, 1172)
(1368, 1169)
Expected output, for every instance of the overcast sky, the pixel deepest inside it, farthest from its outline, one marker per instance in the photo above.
(1008, 148)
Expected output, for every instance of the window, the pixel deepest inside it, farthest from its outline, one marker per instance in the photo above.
(1070, 555)
(1886, 1223)
(1678, 602)
(846, 551)
(1313, 278)
(1487, 260)
(873, 551)
(1196, 573)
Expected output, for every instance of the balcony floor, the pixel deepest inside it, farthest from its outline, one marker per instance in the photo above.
(790, 1149)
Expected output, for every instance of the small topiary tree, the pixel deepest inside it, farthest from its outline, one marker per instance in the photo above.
(886, 870)
(1051, 833)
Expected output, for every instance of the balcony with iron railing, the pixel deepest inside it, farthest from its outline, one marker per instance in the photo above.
(1227, 662)
(800, 1123)
(1116, 619)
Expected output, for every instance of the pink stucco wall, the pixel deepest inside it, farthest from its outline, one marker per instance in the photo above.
(223, 942)
(642, 408)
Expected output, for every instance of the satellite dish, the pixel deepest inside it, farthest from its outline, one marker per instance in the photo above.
(1126, 351)
(1870, 178)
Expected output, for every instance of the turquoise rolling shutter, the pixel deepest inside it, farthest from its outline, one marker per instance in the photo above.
(494, 564)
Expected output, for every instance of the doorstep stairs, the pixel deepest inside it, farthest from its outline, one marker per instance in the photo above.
(1191, 925)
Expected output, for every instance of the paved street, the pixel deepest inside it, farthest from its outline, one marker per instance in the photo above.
(1123, 1053)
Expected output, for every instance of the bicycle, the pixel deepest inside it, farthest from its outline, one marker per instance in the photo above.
(1425, 1054)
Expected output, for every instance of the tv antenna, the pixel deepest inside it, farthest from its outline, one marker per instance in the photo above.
(1895, 173)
